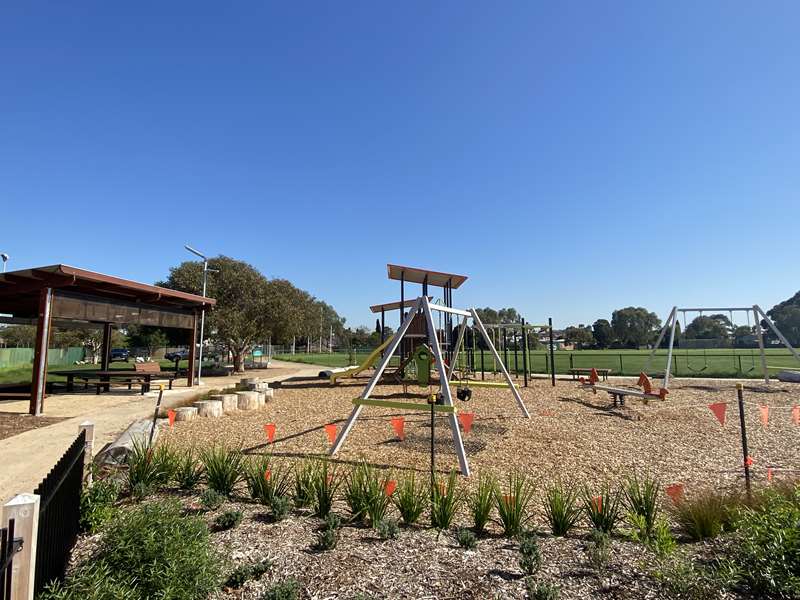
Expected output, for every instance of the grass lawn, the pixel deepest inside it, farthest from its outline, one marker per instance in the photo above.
(22, 374)
(686, 363)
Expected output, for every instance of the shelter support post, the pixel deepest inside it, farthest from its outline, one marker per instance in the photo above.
(105, 359)
(39, 381)
(192, 350)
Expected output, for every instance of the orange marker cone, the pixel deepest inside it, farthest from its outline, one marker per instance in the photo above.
(749, 461)
(466, 421)
(267, 475)
(598, 503)
(398, 424)
(269, 429)
(330, 429)
(390, 487)
(675, 492)
(719, 408)
(769, 473)
(171, 417)
(796, 414)
(764, 410)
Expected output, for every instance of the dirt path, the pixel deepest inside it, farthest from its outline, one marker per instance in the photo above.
(28, 456)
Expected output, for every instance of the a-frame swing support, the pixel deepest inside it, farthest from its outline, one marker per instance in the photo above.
(424, 306)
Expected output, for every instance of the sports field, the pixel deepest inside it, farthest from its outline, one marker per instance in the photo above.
(686, 363)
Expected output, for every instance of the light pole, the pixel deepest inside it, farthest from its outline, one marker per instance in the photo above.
(202, 313)
(4, 256)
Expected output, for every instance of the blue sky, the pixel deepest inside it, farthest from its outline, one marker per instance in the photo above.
(571, 158)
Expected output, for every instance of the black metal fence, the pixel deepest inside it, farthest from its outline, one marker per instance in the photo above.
(59, 514)
(9, 545)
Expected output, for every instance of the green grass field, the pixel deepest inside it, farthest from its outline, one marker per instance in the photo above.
(691, 363)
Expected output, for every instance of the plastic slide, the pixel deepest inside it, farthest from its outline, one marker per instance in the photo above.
(368, 362)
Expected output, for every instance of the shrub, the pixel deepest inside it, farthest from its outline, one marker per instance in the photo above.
(541, 591)
(304, 477)
(601, 510)
(244, 573)
(228, 520)
(326, 482)
(685, 579)
(466, 539)
(512, 507)
(661, 539)
(356, 490)
(188, 470)
(410, 498)
(92, 581)
(326, 540)
(166, 554)
(144, 472)
(530, 560)
(641, 498)
(332, 521)
(598, 550)
(702, 516)
(387, 529)
(266, 479)
(223, 468)
(480, 502)
(561, 509)
(287, 590)
(280, 507)
(766, 552)
(166, 459)
(444, 502)
(211, 499)
(97, 504)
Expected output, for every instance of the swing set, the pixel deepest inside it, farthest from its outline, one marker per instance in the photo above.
(759, 317)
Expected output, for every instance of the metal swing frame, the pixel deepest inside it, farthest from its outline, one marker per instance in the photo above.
(758, 316)
(424, 306)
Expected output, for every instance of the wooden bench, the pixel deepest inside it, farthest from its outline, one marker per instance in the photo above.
(152, 371)
(603, 373)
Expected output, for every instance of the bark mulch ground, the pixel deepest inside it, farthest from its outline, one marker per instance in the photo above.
(12, 424)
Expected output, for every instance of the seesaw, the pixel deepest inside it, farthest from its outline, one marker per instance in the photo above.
(619, 393)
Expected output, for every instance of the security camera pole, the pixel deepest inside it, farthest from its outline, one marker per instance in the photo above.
(202, 313)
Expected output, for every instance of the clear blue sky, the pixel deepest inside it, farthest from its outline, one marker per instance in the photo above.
(571, 158)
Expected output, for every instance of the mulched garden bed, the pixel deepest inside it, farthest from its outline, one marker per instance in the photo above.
(12, 424)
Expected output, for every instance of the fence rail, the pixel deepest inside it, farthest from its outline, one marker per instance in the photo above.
(59, 514)
(739, 363)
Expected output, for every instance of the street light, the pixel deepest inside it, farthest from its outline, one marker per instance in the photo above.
(203, 313)
(4, 256)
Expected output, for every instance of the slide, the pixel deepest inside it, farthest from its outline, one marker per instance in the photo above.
(369, 362)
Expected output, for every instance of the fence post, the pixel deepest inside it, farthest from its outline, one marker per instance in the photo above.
(24, 509)
(621, 368)
(88, 427)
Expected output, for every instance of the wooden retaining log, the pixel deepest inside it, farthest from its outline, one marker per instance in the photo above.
(248, 400)
(209, 408)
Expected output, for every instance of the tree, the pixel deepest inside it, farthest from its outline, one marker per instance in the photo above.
(18, 336)
(634, 326)
(707, 328)
(147, 337)
(603, 333)
(579, 335)
(786, 317)
(241, 317)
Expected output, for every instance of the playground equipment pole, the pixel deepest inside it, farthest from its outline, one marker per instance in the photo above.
(432, 402)
(743, 427)
(525, 353)
(552, 353)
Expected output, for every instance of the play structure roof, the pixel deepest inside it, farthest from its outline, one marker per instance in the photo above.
(394, 305)
(19, 290)
(414, 275)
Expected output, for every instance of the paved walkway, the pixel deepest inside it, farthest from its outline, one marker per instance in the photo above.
(27, 457)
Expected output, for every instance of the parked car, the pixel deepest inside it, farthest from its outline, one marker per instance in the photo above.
(121, 354)
(177, 355)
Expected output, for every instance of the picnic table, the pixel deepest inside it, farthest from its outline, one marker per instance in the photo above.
(104, 379)
(604, 373)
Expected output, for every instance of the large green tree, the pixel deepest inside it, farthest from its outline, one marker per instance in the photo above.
(603, 333)
(634, 326)
(579, 335)
(786, 316)
(708, 328)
